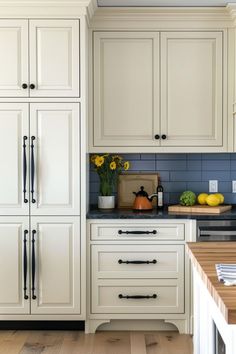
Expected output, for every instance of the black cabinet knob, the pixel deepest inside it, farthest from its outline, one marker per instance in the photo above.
(163, 136)
(157, 136)
(24, 86)
(32, 86)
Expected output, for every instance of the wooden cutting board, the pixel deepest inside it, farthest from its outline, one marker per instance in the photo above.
(203, 209)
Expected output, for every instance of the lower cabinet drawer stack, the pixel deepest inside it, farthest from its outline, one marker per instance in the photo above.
(137, 268)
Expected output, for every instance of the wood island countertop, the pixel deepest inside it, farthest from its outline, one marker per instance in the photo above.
(204, 256)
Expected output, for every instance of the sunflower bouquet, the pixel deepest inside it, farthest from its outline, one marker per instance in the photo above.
(108, 168)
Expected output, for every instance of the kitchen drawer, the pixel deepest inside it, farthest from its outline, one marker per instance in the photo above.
(109, 261)
(136, 231)
(166, 296)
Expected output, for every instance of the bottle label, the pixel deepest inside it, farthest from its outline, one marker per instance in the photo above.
(160, 199)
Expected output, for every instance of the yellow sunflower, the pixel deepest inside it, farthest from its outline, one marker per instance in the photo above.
(126, 165)
(93, 158)
(99, 161)
(113, 165)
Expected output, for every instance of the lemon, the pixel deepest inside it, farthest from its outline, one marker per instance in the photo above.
(213, 200)
(221, 197)
(202, 198)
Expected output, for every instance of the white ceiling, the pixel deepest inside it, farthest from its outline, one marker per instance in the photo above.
(144, 3)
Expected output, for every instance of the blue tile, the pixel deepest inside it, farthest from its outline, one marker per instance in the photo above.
(219, 175)
(171, 165)
(233, 175)
(233, 156)
(174, 198)
(94, 187)
(185, 176)
(93, 198)
(93, 176)
(230, 198)
(146, 165)
(174, 187)
(171, 156)
(164, 176)
(225, 187)
(194, 156)
(223, 156)
(198, 187)
(233, 164)
(216, 165)
(147, 156)
(194, 165)
(131, 156)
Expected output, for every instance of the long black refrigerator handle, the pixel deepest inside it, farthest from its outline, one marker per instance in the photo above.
(32, 168)
(25, 263)
(33, 265)
(24, 168)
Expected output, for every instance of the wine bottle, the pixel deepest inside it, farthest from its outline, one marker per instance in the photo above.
(160, 197)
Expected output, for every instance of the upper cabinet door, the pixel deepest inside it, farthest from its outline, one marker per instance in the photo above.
(54, 58)
(14, 162)
(13, 58)
(55, 150)
(191, 88)
(126, 76)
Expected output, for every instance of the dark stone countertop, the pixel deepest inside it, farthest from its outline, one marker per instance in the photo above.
(95, 213)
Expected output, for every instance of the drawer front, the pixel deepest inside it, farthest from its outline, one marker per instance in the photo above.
(144, 231)
(138, 261)
(155, 296)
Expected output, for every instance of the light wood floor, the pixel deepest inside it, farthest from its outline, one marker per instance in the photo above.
(72, 342)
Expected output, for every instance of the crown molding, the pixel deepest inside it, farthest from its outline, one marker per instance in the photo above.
(92, 8)
(45, 8)
(162, 17)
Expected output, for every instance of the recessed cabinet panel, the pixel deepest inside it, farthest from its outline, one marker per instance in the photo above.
(56, 152)
(54, 53)
(13, 58)
(14, 124)
(12, 267)
(126, 73)
(57, 244)
(191, 88)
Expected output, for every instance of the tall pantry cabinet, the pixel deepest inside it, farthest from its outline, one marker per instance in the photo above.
(40, 147)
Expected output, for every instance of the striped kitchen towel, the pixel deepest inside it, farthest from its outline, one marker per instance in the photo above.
(226, 273)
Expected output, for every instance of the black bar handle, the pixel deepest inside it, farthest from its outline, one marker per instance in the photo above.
(120, 232)
(137, 262)
(25, 262)
(32, 167)
(24, 169)
(33, 265)
(154, 296)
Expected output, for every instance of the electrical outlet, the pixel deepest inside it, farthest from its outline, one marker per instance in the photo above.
(213, 186)
(233, 186)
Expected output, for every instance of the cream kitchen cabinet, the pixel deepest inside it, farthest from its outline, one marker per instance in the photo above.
(157, 91)
(40, 266)
(138, 270)
(40, 158)
(39, 58)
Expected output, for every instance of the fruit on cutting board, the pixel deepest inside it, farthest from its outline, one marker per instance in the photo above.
(202, 198)
(213, 200)
(221, 197)
(188, 198)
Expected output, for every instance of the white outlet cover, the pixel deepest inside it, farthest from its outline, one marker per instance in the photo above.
(233, 186)
(213, 186)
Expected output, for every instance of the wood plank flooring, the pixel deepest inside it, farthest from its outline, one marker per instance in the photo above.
(72, 342)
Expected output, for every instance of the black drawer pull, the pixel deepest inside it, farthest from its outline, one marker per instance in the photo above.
(120, 232)
(154, 296)
(33, 265)
(137, 262)
(24, 169)
(25, 262)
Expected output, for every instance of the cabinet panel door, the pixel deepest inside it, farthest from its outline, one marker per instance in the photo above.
(54, 58)
(13, 58)
(57, 243)
(12, 265)
(57, 162)
(191, 88)
(126, 70)
(14, 125)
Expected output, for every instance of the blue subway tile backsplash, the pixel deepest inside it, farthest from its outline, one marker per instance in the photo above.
(179, 172)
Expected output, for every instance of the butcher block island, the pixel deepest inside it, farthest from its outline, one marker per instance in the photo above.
(214, 303)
